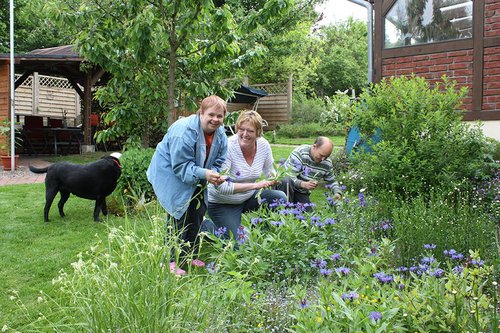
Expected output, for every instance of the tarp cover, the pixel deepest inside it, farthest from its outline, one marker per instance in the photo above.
(246, 95)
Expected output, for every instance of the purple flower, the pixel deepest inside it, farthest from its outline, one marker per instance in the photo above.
(212, 268)
(281, 162)
(375, 316)
(350, 296)
(427, 260)
(429, 246)
(458, 256)
(319, 263)
(220, 231)
(304, 303)
(325, 271)
(329, 220)
(477, 262)
(402, 269)
(241, 237)
(383, 277)
(342, 270)
(438, 272)
(336, 256)
(277, 223)
(256, 220)
(449, 252)
(458, 270)
(361, 197)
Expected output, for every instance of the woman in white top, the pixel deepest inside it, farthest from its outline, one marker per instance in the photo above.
(248, 156)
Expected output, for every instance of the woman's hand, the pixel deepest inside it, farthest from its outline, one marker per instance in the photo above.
(265, 183)
(214, 177)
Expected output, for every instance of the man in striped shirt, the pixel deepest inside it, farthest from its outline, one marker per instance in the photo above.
(310, 164)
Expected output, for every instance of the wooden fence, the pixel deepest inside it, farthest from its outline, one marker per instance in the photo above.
(48, 96)
(276, 107)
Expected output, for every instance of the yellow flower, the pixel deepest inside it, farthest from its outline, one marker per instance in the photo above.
(319, 320)
(328, 308)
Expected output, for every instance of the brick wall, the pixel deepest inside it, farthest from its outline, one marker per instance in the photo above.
(457, 65)
(492, 18)
(491, 79)
(4, 94)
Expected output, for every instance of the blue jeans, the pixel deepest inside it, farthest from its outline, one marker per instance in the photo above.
(229, 215)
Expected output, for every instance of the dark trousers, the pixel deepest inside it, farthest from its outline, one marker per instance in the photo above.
(190, 223)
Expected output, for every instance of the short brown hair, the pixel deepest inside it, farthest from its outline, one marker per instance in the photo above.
(212, 101)
(253, 117)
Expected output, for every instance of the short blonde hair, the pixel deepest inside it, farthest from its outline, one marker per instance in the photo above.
(253, 117)
(212, 101)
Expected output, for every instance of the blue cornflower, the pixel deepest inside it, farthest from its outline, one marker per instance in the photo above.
(375, 315)
(325, 271)
(458, 256)
(336, 256)
(449, 252)
(477, 262)
(438, 272)
(458, 270)
(281, 162)
(330, 200)
(361, 197)
(350, 296)
(241, 237)
(212, 267)
(314, 219)
(319, 263)
(300, 217)
(256, 220)
(429, 246)
(342, 270)
(220, 231)
(383, 277)
(329, 220)
(343, 187)
(427, 260)
(277, 223)
(304, 303)
(402, 269)
(413, 268)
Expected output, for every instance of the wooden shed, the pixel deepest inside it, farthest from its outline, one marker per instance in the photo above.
(432, 38)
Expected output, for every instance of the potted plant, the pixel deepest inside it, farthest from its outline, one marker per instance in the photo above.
(5, 146)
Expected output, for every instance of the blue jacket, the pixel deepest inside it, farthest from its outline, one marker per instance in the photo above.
(177, 164)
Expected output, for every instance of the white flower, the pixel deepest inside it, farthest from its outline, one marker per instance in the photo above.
(5, 328)
(39, 299)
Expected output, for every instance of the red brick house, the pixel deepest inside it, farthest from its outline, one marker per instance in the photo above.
(459, 38)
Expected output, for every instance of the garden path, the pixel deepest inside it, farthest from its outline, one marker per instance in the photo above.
(23, 175)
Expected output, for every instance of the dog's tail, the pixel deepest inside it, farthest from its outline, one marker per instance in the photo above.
(38, 170)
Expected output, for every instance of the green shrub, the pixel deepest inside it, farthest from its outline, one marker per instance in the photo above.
(339, 111)
(305, 130)
(133, 183)
(306, 110)
(424, 143)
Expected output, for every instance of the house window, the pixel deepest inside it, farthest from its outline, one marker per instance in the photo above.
(413, 22)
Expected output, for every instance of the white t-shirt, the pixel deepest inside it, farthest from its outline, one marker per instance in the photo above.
(241, 172)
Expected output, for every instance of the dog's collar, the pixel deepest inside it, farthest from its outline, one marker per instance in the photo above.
(117, 163)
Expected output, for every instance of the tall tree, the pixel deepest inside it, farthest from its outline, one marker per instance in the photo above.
(163, 54)
(343, 61)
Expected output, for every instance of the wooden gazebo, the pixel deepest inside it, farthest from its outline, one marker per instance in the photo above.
(61, 61)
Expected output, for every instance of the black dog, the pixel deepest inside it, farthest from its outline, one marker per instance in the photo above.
(94, 181)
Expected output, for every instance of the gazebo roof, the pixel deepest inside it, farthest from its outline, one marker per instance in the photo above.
(61, 61)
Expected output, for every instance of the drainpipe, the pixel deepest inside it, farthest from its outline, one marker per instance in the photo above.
(369, 9)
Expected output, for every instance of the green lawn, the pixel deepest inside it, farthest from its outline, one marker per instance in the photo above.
(33, 252)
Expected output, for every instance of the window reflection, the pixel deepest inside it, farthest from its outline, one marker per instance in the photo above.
(413, 22)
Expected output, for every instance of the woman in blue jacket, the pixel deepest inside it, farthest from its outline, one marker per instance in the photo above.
(190, 155)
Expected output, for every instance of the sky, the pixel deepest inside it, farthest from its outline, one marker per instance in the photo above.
(339, 10)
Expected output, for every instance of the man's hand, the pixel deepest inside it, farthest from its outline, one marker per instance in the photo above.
(309, 185)
(214, 177)
(337, 196)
